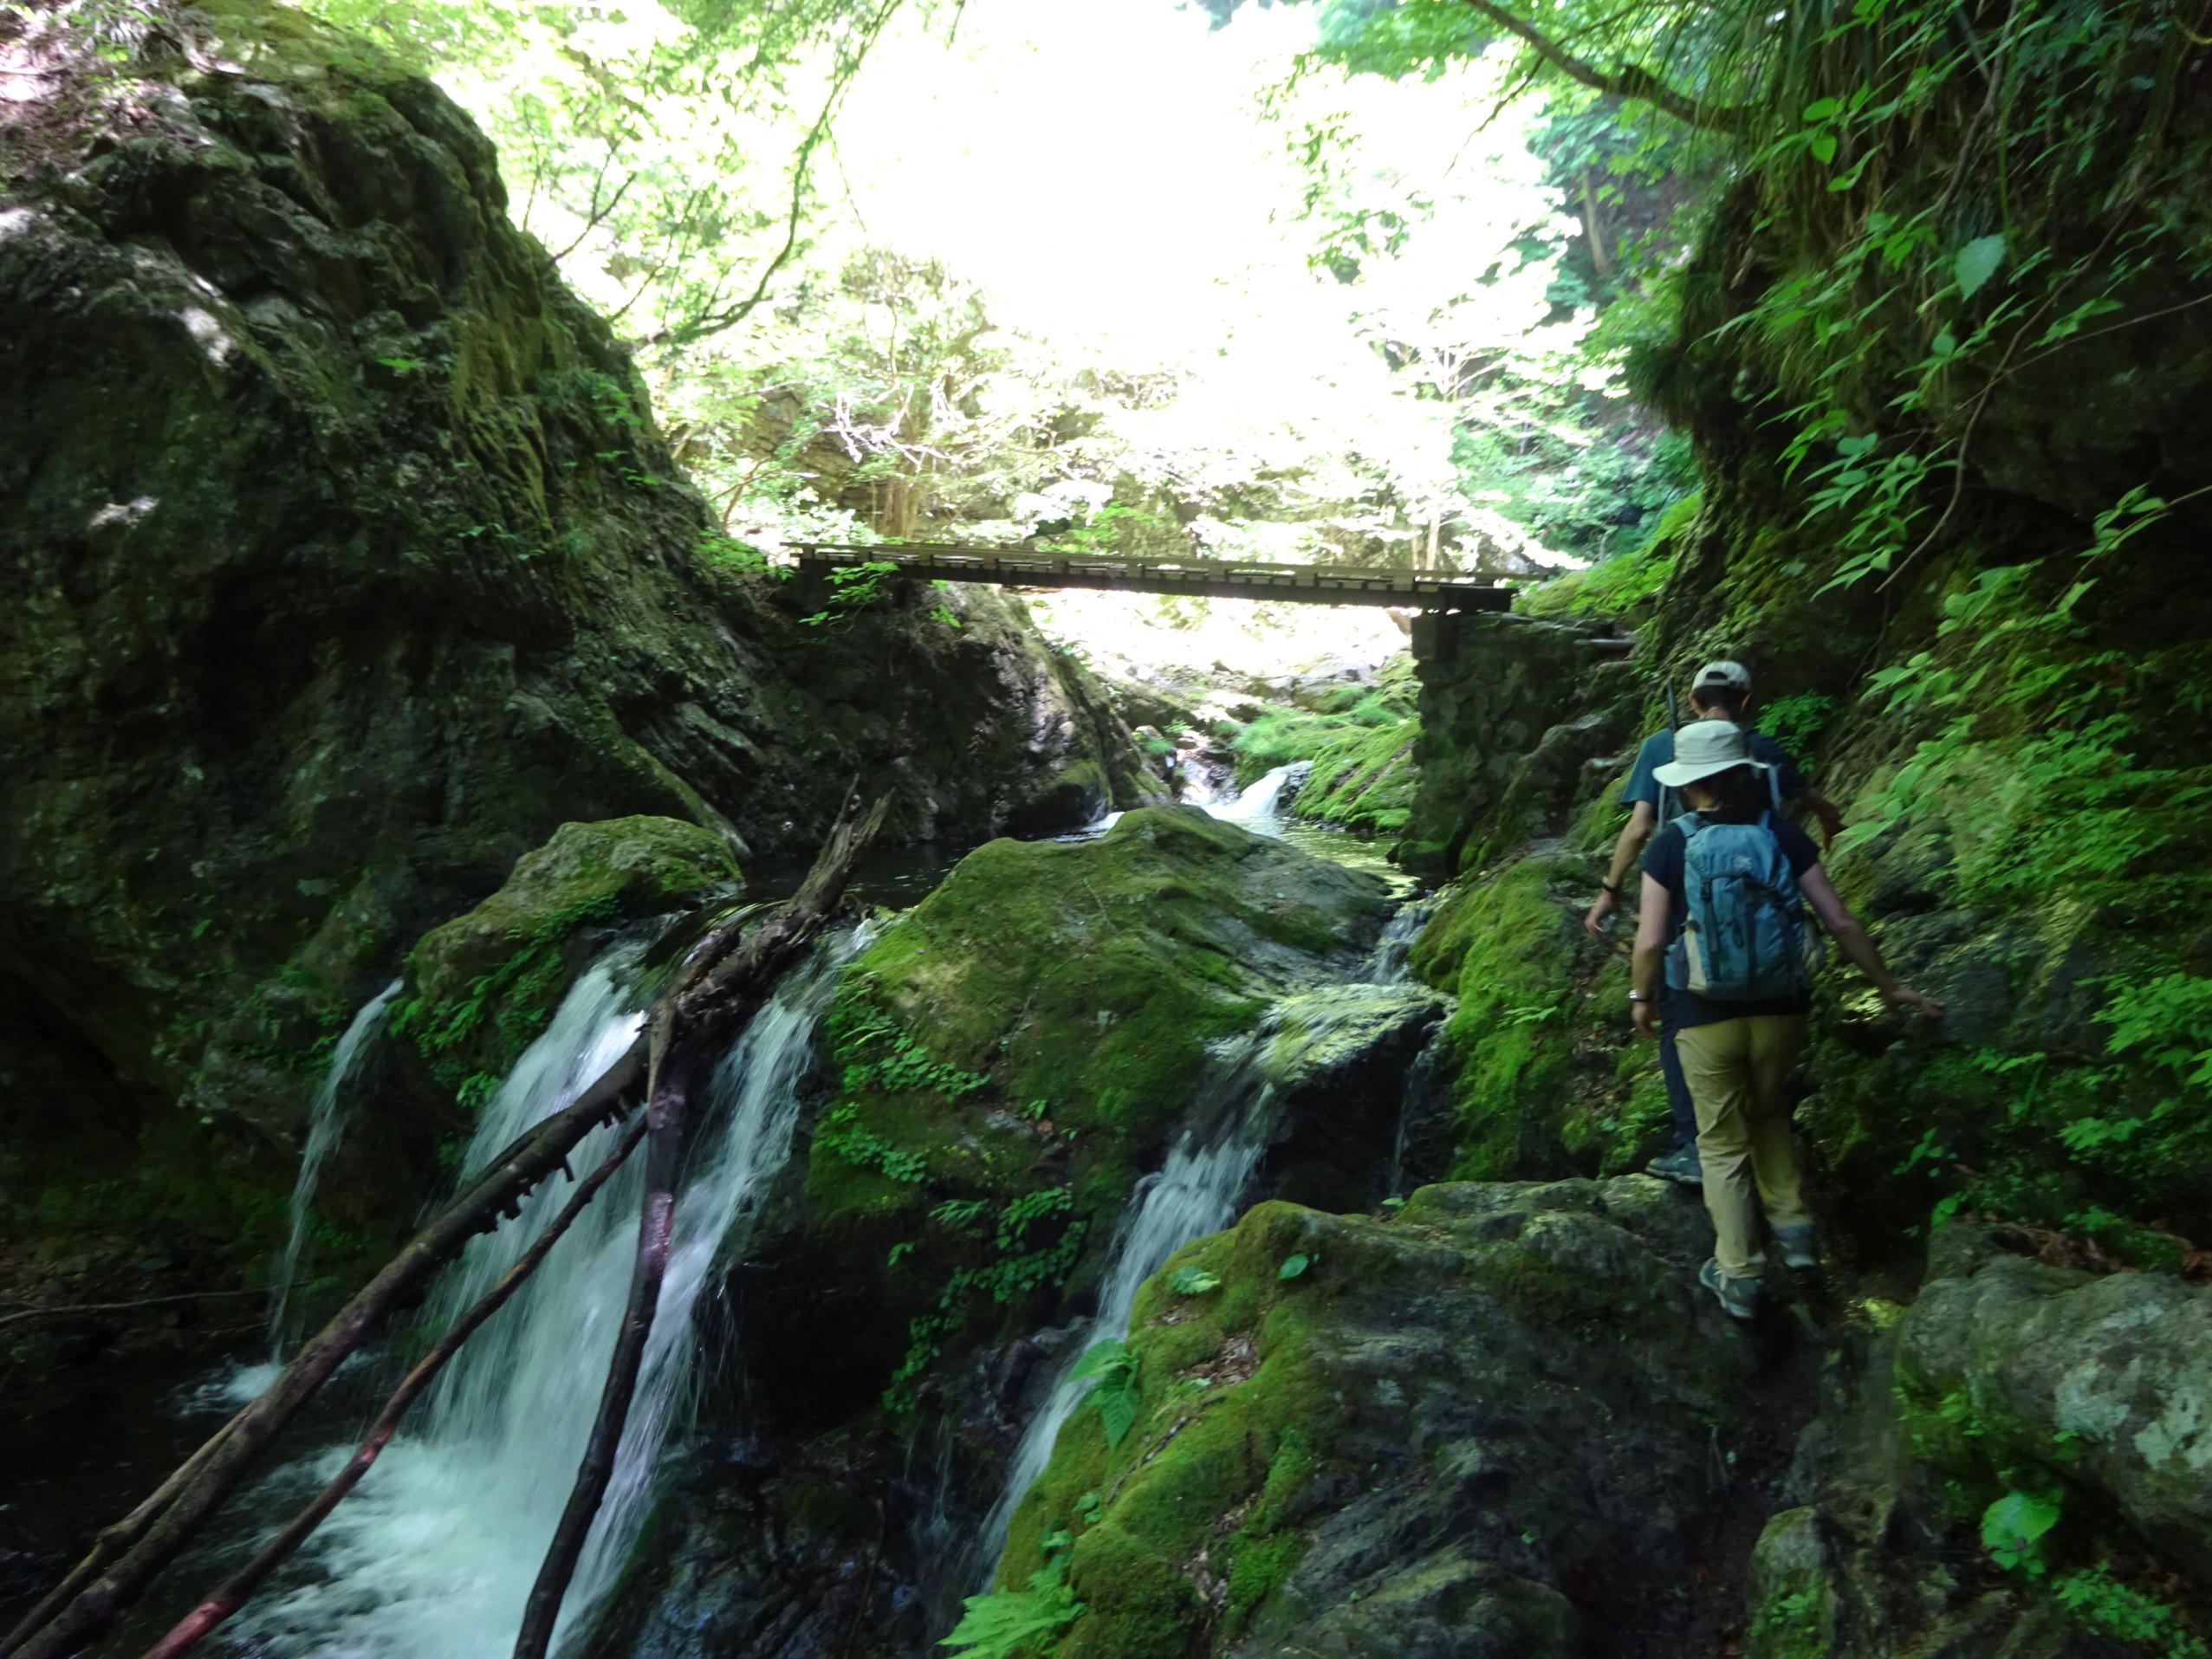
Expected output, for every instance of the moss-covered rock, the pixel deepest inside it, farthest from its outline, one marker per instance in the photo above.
(2008, 1381)
(1475, 1427)
(340, 563)
(482, 986)
(1029, 1034)
(1547, 1078)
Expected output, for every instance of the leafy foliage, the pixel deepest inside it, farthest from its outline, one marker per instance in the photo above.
(1111, 1369)
(1009, 1622)
(2014, 1526)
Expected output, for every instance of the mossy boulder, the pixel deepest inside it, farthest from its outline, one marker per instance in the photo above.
(340, 563)
(1477, 1427)
(482, 986)
(2008, 1379)
(1017, 1047)
(1005, 1060)
(1546, 1077)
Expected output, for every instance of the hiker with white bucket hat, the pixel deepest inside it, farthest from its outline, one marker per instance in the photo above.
(1724, 931)
(1719, 690)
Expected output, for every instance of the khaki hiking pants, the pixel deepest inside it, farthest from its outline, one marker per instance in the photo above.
(1736, 1069)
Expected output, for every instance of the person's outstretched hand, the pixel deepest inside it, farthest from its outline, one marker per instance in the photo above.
(1594, 923)
(1905, 997)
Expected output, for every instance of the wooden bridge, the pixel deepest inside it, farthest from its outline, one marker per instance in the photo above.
(1214, 578)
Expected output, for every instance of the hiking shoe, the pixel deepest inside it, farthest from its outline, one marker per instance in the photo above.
(1680, 1165)
(1739, 1299)
(1800, 1246)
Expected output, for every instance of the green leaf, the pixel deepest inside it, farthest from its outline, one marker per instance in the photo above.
(1116, 1399)
(1294, 1266)
(1193, 1281)
(2012, 1528)
(1112, 1370)
(1826, 109)
(1823, 148)
(1010, 1622)
(1977, 263)
(1101, 1359)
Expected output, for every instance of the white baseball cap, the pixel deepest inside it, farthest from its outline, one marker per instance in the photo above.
(1723, 673)
(1702, 748)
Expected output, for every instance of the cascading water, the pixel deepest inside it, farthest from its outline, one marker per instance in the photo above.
(326, 1125)
(1391, 962)
(434, 1556)
(1199, 1189)
(1260, 808)
(1193, 1194)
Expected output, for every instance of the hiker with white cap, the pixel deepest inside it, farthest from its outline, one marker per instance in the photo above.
(1719, 690)
(1723, 928)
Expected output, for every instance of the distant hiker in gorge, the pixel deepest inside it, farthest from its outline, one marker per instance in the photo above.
(1724, 932)
(1720, 691)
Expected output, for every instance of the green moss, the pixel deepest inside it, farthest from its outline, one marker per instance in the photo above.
(1625, 587)
(1220, 1452)
(1364, 781)
(1509, 1032)
(483, 986)
(1359, 738)
(1137, 1604)
(1037, 1026)
(1548, 1079)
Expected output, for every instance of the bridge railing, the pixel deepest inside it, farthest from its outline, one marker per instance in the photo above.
(1056, 568)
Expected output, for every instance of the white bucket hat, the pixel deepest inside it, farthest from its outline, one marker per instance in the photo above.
(1702, 748)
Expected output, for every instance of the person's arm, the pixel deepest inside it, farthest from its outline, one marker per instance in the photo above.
(1832, 823)
(1638, 831)
(1649, 959)
(1856, 943)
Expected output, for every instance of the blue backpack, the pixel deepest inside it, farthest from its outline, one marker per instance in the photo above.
(1746, 937)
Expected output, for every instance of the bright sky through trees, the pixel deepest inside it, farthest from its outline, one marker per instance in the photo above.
(1053, 259)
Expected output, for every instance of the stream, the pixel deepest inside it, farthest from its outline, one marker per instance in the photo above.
(434, 1555)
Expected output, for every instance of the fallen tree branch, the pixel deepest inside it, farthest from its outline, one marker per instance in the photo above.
(665, 1115)
(220, 1603)
(125, 1558)
(142, 1301)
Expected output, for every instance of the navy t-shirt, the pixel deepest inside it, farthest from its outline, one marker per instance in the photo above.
(1663, 863)
(1658, 751)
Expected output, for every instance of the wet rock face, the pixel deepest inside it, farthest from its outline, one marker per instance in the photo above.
(1005, 1064)
(340, 563)
(2007, 1376)
(1485, 1426)
(1512, 710)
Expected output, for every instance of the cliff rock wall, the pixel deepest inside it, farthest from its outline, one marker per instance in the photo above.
(340, 562)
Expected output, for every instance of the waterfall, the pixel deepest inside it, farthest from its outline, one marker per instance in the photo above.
(435, 1554)
(1391, 962)
(325, 1123)
(1193, 1194)
(1260, 808)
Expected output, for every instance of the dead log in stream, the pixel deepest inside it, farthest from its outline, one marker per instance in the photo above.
(728, 977)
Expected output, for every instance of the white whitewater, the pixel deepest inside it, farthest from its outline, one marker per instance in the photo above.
(1260, 808)
(326, 1126)
(1197, 1190)
(434, 1556)
(1195, 1193)
(1391, 962)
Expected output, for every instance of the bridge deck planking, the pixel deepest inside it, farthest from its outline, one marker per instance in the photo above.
(1044, 567)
